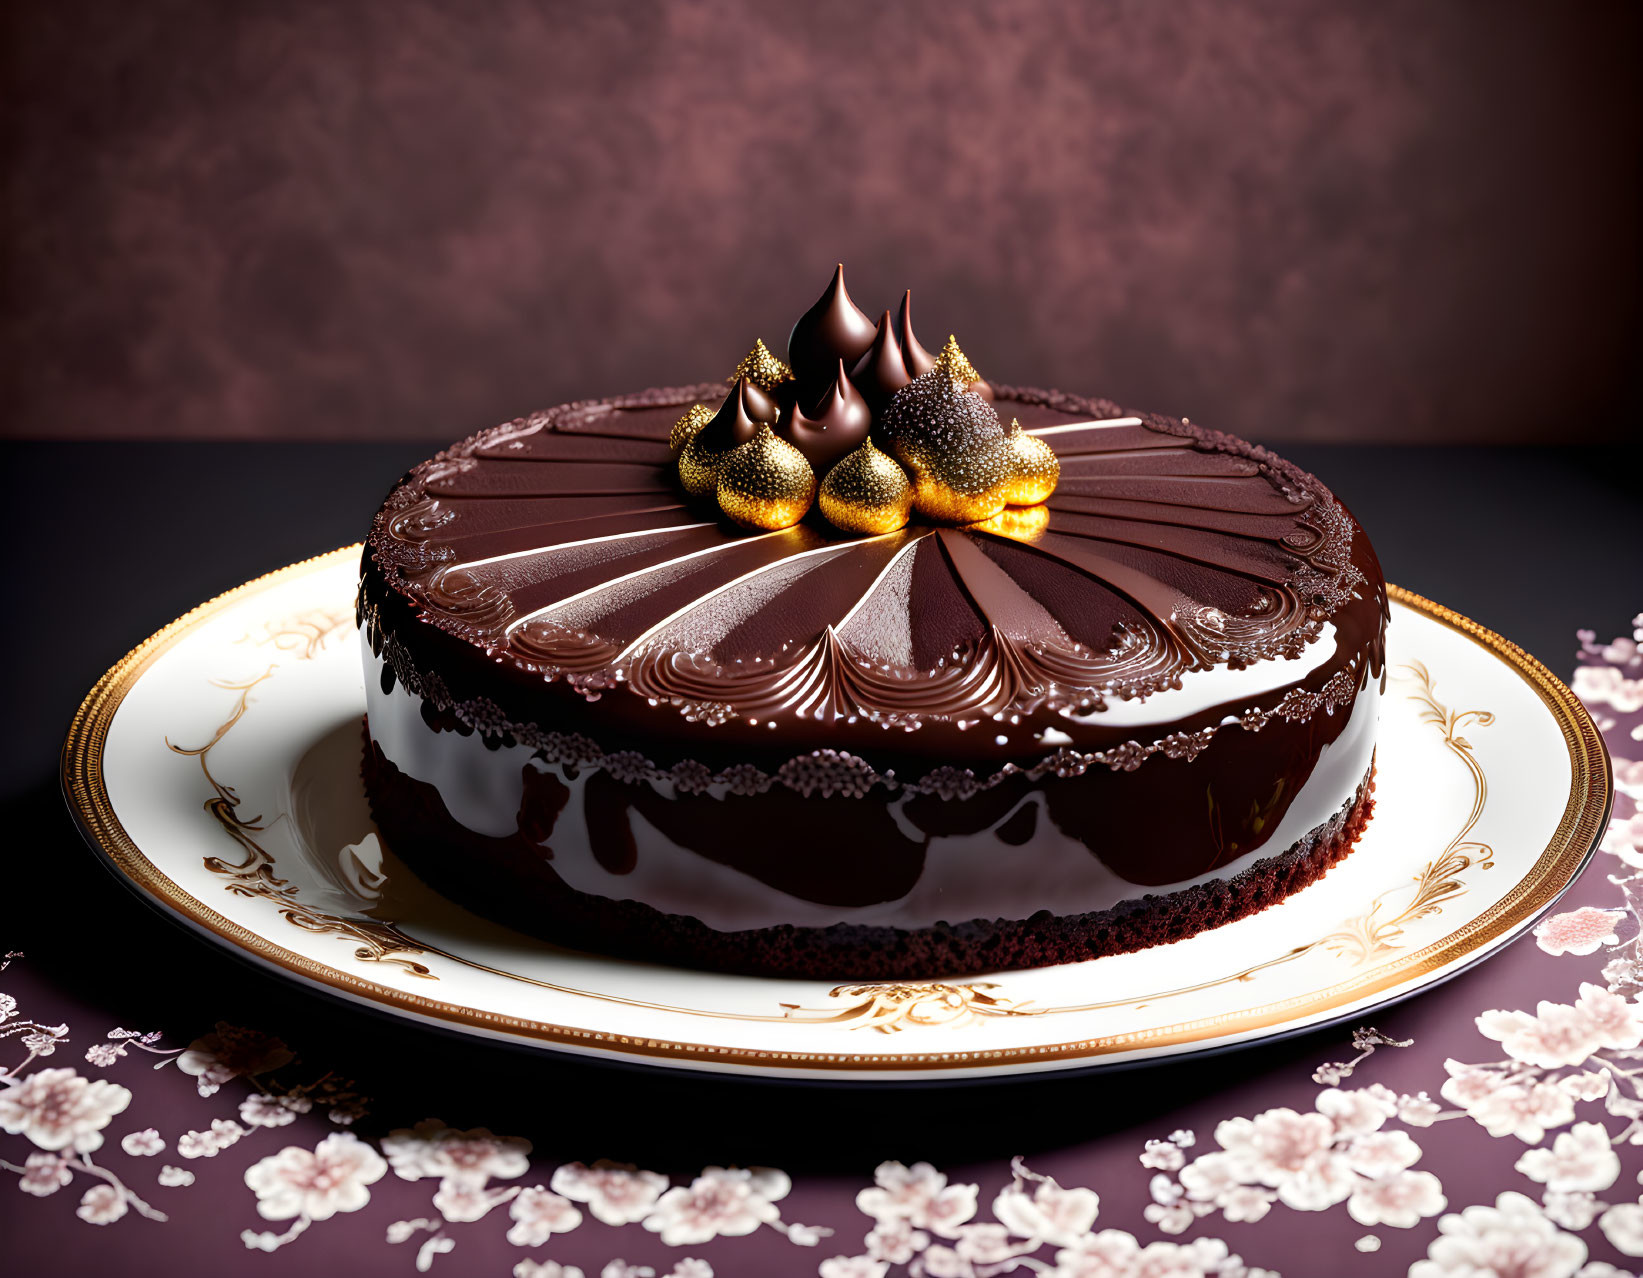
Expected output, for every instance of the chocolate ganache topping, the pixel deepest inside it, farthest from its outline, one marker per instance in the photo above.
(564, 546)
(856, 665)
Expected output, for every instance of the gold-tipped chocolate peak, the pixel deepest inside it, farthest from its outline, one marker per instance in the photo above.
(761, 368)
(1037, 468)
(765, 483)
(866, 492)
(956, 364)
(688, 427)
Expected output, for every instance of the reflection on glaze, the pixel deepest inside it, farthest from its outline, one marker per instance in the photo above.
(907, 860)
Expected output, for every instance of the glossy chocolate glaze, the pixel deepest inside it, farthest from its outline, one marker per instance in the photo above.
(834, 329)
(508, 877)
(808, 731)
(553, 560)
(838, 425)
(739, 856)
(882, 372)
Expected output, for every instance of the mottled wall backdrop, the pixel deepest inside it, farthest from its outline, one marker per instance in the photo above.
(1395, 220)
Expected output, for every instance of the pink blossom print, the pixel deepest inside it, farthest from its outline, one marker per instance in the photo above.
(1512, 1237)
(44, 1174)
(729, 1201)
(231, 1052)
(1581, 1158)
(538, 1214)
(615, 1193)
(101, 1205)
(431, 1149)
(1582, 931)
(316, 1184)
(919, 1194)
(142, 1144)
(57, 1109)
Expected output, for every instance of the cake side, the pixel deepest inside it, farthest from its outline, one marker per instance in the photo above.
(915, 835)
(835, 672)
(507, 878)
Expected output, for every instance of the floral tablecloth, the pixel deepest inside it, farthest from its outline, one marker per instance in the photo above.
(1491, 1127)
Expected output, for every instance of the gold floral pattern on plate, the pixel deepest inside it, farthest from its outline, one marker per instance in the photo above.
(1370, 935)
(255, 876)
(892, 1006)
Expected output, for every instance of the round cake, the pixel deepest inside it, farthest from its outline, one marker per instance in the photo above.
(866, 669)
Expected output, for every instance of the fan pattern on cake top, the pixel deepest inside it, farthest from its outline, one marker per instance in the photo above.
(561, 543)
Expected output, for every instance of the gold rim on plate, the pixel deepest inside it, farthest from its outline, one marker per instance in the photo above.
(1584, 818)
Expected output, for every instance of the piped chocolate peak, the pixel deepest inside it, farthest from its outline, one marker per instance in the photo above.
(834, 328)
(930, 414)
(918, 360)
(840, 423)
(738, 418)
(883, 370)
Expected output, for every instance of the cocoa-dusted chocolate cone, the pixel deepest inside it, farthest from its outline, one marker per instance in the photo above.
(841, 422)
(918, 361)
(834, 328)
(882, 371)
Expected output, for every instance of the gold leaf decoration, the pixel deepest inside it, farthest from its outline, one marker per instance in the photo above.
(699, 469)
(765, 483)
(688, 427)
(866, 492)
(945, 453)
(964, 487)
(761, 368)
(1018, 523)
(955, 364)
(1037, 468)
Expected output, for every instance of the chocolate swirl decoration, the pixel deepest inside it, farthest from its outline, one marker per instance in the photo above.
(546, 647)
(479, 606)
(568, 550)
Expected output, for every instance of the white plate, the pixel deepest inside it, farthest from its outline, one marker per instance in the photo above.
(216, 768)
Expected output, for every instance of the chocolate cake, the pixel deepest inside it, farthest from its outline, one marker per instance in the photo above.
(868, 668)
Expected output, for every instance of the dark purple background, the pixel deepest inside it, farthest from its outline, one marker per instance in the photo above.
(1398, 221)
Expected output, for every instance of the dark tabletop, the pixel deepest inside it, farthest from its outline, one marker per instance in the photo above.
(122, 538)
